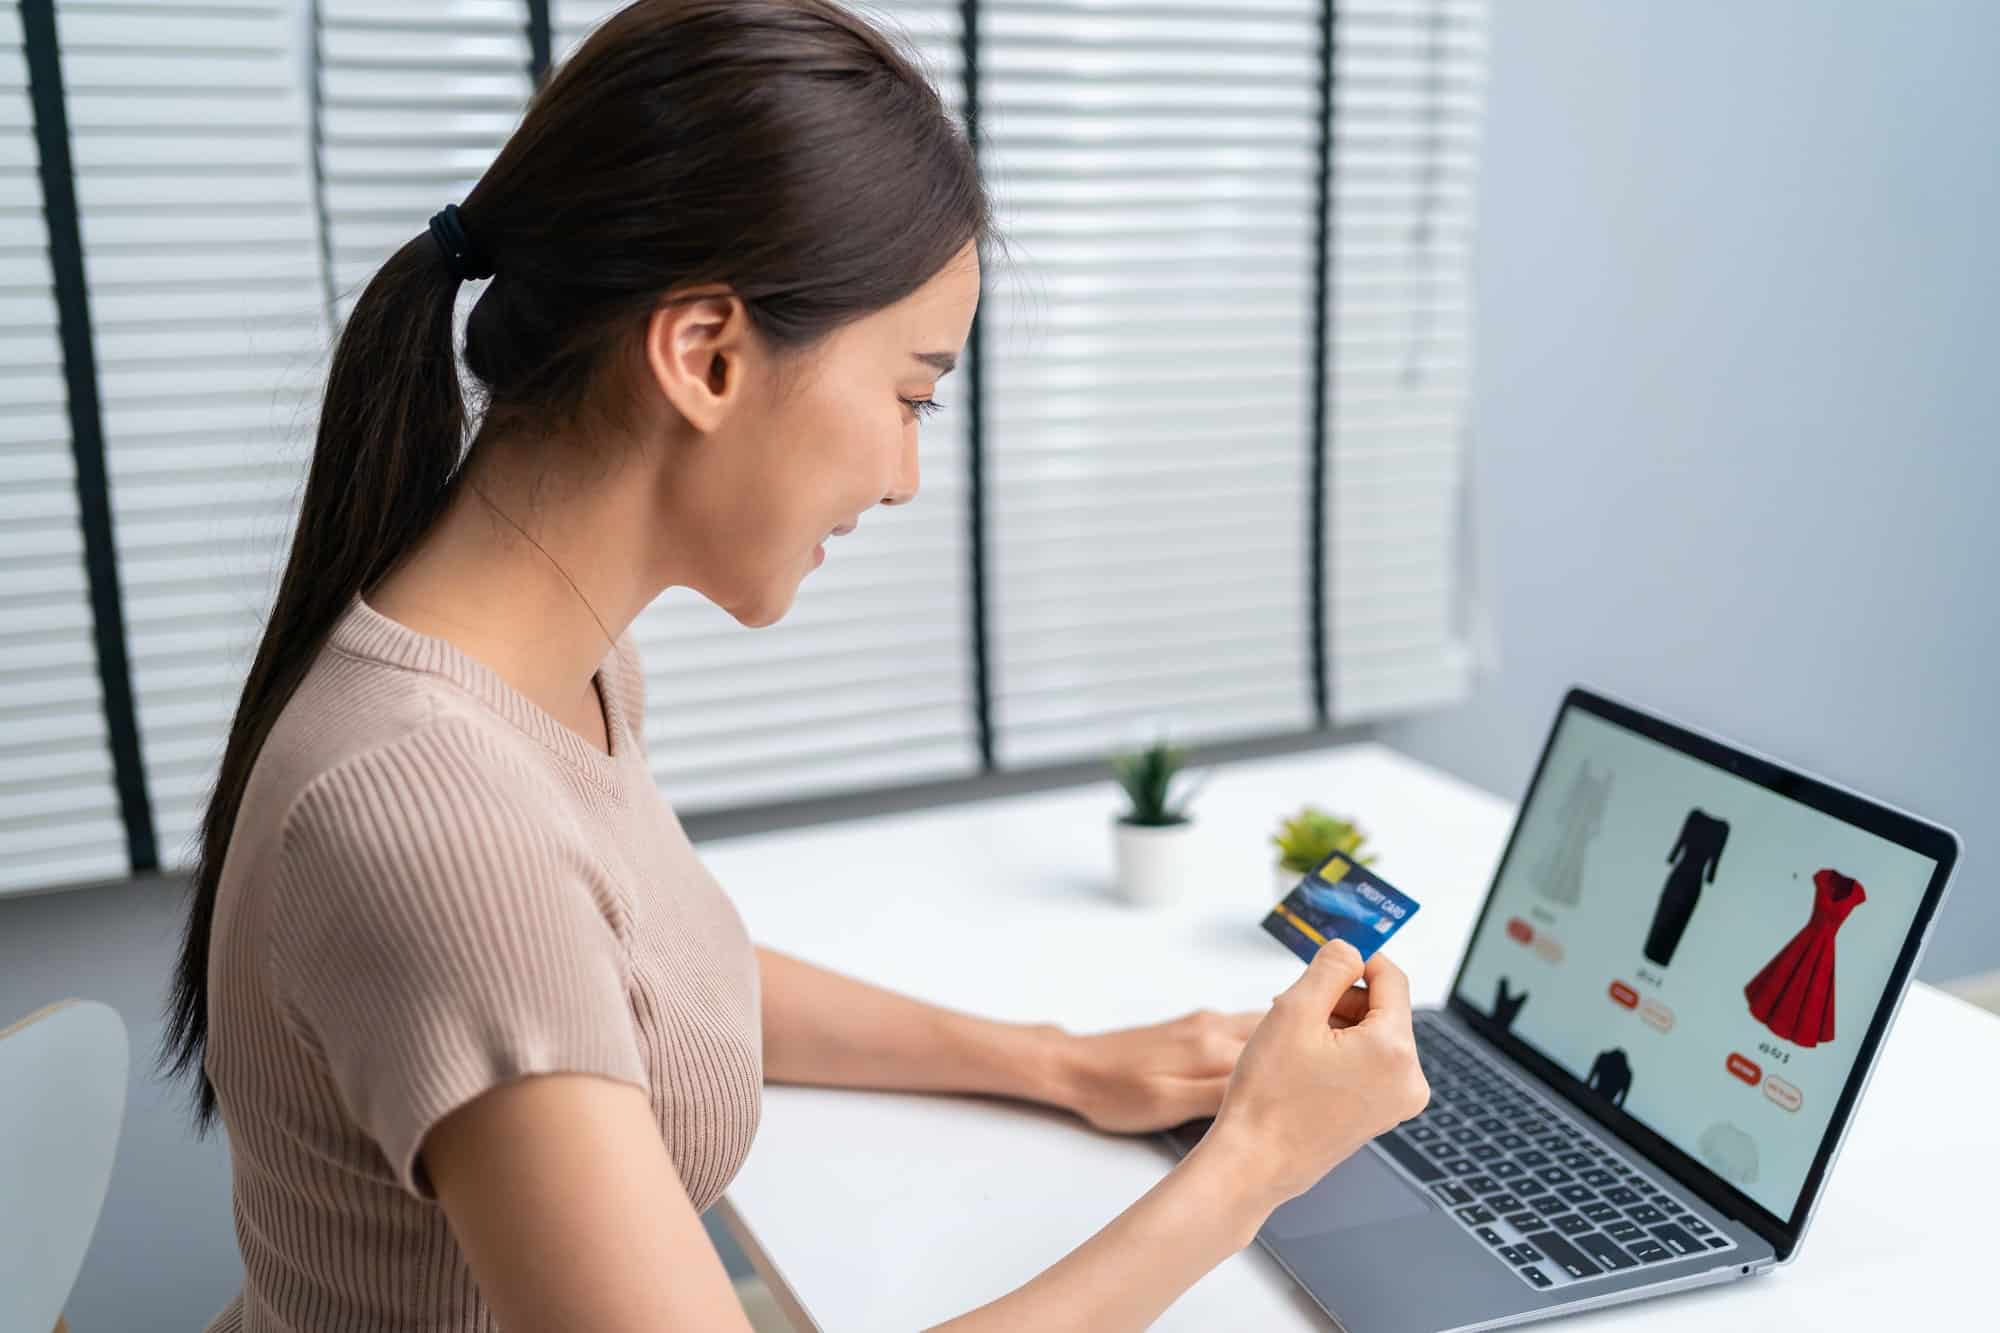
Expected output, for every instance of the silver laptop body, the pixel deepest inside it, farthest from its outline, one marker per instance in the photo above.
(1653, 1046)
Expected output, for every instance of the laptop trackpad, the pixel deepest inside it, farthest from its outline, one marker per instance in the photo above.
(1361, 1191)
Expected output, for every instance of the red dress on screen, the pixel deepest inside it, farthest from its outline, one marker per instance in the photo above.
(1793, 995)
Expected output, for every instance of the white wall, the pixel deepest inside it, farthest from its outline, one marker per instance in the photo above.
(1735, 410)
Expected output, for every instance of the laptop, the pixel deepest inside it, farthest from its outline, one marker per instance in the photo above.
(1655, 1041)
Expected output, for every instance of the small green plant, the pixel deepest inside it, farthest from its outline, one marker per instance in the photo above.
(1147, 775)
(1312, 835)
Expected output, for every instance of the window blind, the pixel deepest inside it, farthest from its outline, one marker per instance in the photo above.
(1149, 367)
(416, 97)
(59, 816)
(1405, 142)
(570, 21)
(867, 681)
(932, 30)
(187, 124)
(1146, 435)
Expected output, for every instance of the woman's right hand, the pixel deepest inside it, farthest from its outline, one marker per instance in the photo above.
(1330, 1066)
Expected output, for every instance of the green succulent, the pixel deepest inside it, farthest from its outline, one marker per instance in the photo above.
(1146, 775)
(1312, 835)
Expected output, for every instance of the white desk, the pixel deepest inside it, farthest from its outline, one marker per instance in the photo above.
(879, 1211)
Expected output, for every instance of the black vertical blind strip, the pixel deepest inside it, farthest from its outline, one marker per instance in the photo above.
(316, 126)
(982, 689)
(86, 426)
(1320, 628)
(541, 42)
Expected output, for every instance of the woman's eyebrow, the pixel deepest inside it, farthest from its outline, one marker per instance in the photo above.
(942, 362)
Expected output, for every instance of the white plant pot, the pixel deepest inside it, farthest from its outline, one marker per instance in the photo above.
(1156, 863)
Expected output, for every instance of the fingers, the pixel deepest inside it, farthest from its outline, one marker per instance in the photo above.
(1333, 971)
(1350, 1008)
(1388, 989)
(1218, 1051)
(1204, 1097)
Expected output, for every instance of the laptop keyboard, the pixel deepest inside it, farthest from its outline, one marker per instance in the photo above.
(1543, 1197)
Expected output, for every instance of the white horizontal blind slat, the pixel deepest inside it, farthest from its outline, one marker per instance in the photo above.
(867, 679)
(201, 249)
(59, 816)
(1405, 133)
(416, 97)
(1148, 375)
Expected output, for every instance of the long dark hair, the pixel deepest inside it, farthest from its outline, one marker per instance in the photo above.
(783, 148)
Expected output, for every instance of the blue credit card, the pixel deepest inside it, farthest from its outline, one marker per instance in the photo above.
(1340, 900)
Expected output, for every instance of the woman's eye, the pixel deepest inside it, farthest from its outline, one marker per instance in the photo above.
(923, 407)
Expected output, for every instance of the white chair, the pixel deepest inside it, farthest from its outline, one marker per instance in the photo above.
(62, 1103)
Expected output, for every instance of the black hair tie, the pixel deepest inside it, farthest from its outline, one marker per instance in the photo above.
(448, 230)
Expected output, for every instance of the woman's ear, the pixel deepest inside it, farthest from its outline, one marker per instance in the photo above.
(696, 350)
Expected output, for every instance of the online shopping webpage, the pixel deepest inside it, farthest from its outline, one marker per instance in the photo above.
(1698, 950)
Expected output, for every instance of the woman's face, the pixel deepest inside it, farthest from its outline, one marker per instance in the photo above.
(774, 455)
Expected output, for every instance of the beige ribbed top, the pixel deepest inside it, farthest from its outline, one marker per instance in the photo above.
(435, 887)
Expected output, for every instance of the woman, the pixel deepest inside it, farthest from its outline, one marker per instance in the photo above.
(485, 1034)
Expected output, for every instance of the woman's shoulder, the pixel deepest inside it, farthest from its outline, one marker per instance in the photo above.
(448, 829)
(449, 772)
(384, 756)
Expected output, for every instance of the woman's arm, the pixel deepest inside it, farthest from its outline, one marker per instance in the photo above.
(1328, 1069)
(560, 1191)
(822, 1027)
(1206, 1209)
(825, 1028)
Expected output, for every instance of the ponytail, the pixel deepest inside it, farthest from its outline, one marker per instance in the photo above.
(391, 427)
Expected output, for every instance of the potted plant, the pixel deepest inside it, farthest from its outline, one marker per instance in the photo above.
(1308, 838)
(1154, 837)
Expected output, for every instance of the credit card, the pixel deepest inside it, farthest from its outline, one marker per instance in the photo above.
(1340, 900)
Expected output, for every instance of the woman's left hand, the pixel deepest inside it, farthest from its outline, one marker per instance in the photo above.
(1141, 1079)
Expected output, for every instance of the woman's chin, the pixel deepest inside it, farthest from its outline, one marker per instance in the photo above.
(770, 608)
(767, 605)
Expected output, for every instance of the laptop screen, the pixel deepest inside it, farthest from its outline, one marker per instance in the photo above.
(1695, 948)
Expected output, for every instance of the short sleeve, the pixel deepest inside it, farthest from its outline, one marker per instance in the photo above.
(436, 934)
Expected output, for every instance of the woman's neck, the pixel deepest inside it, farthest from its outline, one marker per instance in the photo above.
(498, 592)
